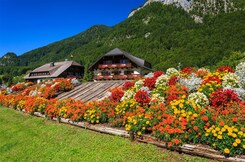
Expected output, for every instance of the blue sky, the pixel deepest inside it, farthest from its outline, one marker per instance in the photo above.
(29, 24)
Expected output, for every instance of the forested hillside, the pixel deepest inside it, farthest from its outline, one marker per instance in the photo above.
(162, 34)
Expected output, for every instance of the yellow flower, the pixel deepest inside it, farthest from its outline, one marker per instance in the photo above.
(217, 129)
(240, 133)
(238, 141)
(243, 146)
(139, 133)
(181, 105)
(213, 131)
(234, 135)
(206, 134)
(235, 130)
(226, 126)
(128, 127)
(147, 122)
(195, 115)
(220, 137)
(229, 130)
(234, 144)
(226, 150)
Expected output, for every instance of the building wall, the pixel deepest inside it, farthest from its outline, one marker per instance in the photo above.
(136, 71)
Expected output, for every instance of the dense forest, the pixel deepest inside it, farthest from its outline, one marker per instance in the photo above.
(164, 35)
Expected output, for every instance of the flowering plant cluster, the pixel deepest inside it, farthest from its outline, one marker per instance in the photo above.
(46, 89)
(20, 86)
(211, 113)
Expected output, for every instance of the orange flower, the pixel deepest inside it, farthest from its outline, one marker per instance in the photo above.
(195, 128)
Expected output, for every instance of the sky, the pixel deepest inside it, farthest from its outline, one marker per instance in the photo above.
(29, 24)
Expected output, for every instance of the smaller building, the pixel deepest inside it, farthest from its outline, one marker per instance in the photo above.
(118, 65)
(56, 70)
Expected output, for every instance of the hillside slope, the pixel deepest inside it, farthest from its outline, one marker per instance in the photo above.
(162, 34)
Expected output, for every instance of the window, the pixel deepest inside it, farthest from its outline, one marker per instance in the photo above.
(124, 61)
(116, 72)
(105, 73)
(107, 62)
(128, 72)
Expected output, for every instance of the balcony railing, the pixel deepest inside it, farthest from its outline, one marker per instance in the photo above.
(117, 77)
(112, 66)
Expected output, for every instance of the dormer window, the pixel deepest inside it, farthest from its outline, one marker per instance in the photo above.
(124, 61)
(107, 62)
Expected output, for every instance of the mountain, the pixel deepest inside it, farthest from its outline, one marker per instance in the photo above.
(8, 59)
(164, 35)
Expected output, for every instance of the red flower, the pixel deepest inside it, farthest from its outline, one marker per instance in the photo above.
(116, 94)
(195, 128)
(170, 144)
(212, 79)
(173, 80)
(225, 69)
(176, 141)
(223, 98)
(158, 73)
(205, 118)
(150, 83)
(221, 124)
(127, 85)
(188, 70)
(142, 97)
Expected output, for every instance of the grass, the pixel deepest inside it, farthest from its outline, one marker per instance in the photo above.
(28, 138)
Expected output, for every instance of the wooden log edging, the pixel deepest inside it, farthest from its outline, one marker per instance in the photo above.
(186, 148)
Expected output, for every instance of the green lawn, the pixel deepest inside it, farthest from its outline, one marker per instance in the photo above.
(27, 138)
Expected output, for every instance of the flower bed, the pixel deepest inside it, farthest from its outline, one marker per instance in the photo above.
(45, 89)
(179, 107)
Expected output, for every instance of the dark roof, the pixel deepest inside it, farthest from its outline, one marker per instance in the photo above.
(117, 52)
(54, 71)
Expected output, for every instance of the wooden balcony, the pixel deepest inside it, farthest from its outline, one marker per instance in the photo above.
(113, 66)
(117, 77)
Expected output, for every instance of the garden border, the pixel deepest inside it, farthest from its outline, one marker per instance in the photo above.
(186, 148)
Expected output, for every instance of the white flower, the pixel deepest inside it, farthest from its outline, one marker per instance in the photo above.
(149, 75)
(9, 90)
(139, 84)
(192, 83)
(240, 67)
(199, 98)
(158, 97)
(146, 89)
(129, 94)
(172, 72)
(231, 80)
(240, 71)
(162, 80)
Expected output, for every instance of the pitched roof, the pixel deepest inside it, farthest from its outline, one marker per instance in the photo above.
(53, 71)
(116, 52)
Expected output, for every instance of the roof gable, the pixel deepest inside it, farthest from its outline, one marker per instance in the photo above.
(53, 71)
(116, 52)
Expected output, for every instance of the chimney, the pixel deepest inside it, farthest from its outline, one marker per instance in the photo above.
(52, 64)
